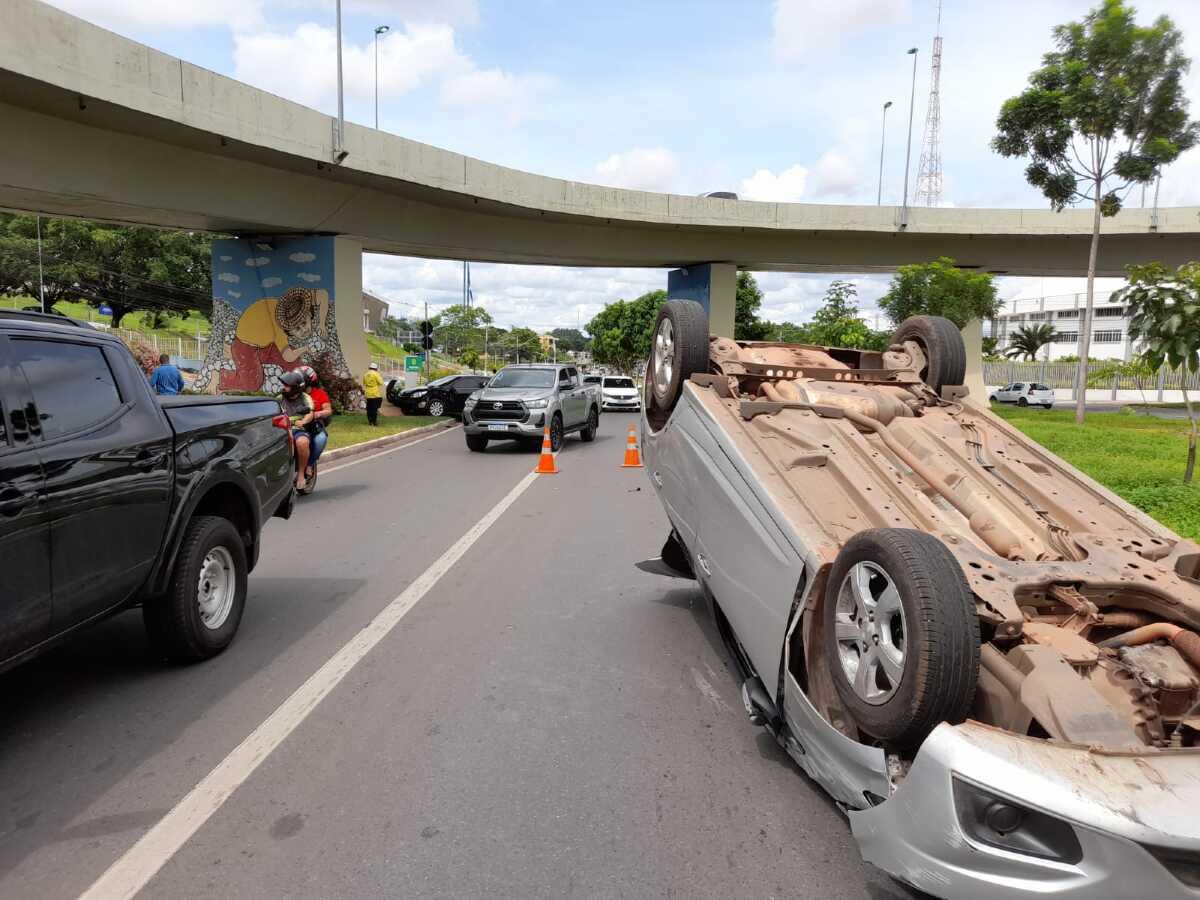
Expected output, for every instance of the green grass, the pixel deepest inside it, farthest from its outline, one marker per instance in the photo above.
(352, 428)
(381, 347)
(173, 326)
(1138, 457)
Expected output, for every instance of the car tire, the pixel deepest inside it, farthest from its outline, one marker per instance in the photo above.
(437, 408)
(923, 661)
(942, 343)
(1022, 402)
(678, 349)
(992, 399)
(477, 443)
(588, 434)
(199, 614)
(556, 433)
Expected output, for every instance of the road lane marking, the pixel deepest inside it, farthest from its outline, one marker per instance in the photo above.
(334, 467)
(134, 869)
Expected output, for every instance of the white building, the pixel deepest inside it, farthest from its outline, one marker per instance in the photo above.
(1110, 325)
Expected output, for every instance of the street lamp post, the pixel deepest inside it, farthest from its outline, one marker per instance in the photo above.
(339, 151)
(882, 137)
(908, 153)
(380, 29)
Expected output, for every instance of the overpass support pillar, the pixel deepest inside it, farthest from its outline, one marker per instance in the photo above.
(713, 286)
(280, 302)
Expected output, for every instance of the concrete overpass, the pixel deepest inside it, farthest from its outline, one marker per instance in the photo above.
(101, 126)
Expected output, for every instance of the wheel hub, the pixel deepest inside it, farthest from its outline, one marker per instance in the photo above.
(664, 357)
(216, 587)
(870, 632)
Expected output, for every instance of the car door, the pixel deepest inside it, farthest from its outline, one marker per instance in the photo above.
(105, 448)
(25, 600)
(577, 400)
(461, 389)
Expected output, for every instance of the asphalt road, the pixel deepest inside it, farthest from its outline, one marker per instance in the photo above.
(546, 721)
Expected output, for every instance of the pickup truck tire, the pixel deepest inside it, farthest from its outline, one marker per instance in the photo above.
(200, 612)
(901, 634)
(477, 443)
(678, 349)
(588, 434)
(556, 433)
(942, 343)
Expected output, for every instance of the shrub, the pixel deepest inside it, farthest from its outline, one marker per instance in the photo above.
(344, 393)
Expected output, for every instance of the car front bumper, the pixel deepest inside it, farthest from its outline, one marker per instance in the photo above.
(530, 427)
(1127, 811)
(631, 404)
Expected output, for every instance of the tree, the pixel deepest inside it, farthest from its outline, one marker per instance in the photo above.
(991, 348)
(1164, 313)
(459, 327)
(836, 323)
(126, 268)
(570, 339)
(1109, 82)
(747, 326)
(1028, 340)
(621, 331)
(470, 358)
(939, 288)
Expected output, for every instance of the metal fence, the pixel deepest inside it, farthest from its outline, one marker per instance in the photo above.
(1114, 376)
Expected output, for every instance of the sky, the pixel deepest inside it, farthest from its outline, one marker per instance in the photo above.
(779, 101)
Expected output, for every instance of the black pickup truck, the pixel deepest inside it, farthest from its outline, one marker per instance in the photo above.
(111, 497)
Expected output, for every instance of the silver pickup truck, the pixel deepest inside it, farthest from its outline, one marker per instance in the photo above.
(522, 400)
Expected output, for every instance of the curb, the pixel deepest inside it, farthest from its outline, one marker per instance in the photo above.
(387, 440)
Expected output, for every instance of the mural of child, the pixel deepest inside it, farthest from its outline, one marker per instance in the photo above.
(274, 331)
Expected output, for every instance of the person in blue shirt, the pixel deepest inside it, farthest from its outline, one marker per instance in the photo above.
(166, 378)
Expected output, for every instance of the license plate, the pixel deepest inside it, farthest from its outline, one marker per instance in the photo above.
(494, 427)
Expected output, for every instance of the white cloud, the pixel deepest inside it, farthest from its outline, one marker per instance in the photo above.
(229, 277)
(310, 277)
(514, 95)
(256, 261)
(272, 282)
(234, 294)
(464, 11)
(804, 26)
(226, 258)
(643, 169)
(835, 175)
(302, 257)
(147, 14)
(786, 187)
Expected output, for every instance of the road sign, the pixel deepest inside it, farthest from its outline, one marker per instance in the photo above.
(413, 363)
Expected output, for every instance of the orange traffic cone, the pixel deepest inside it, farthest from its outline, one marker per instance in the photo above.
(546, 465)
(633, 458)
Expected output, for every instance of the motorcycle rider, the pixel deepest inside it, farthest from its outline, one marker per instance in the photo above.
(322, 415)
(298, 406)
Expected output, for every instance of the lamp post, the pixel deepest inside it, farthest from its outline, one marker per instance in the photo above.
(379, 29)
(882, 136)
(908, 153)
(339, 150)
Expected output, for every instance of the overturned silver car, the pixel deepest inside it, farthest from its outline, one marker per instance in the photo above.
(988, 659)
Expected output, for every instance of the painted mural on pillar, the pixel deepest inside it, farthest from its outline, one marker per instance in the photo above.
(273, 310)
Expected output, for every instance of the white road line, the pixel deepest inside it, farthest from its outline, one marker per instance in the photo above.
(130, 873)
(334, 467)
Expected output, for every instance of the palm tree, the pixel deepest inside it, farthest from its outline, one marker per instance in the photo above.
(1029, 340)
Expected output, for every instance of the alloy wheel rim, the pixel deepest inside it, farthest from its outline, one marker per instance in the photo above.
(216, 587)
(436, 408)
(870, 631)
(664, 358)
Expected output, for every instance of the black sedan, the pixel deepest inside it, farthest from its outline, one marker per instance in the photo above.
(444, 397)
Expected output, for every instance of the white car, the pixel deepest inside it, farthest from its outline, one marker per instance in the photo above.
(1025, 393)
(619, 392)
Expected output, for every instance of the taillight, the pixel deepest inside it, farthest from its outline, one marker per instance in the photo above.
(282, 421)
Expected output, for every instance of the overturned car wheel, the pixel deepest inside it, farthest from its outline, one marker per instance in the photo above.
(942, 343)
(901, 634)
(678, 348)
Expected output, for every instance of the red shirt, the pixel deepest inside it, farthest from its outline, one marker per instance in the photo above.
(319, 398)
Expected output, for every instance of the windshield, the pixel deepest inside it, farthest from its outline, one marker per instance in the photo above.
(509, 378)
(618, 382)
(591, 379)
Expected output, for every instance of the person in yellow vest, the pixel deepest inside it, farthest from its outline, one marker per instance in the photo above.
(372, 383)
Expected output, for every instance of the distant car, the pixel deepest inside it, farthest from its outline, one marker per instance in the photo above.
(444, 397)
(720, 195)
(1025, 393)
(619, 392)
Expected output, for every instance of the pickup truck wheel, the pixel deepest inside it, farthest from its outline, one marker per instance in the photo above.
(202, 608)
(901, 634)
(678, 349)
(477, 443)
(593, 425)
(942, 343)
(556, 433)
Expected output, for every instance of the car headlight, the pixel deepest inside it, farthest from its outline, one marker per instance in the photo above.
(470, 402)
(538, 404)
(416, 394)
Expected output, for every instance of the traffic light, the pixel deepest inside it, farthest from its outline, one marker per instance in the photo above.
(427, 342)
(427, 335)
